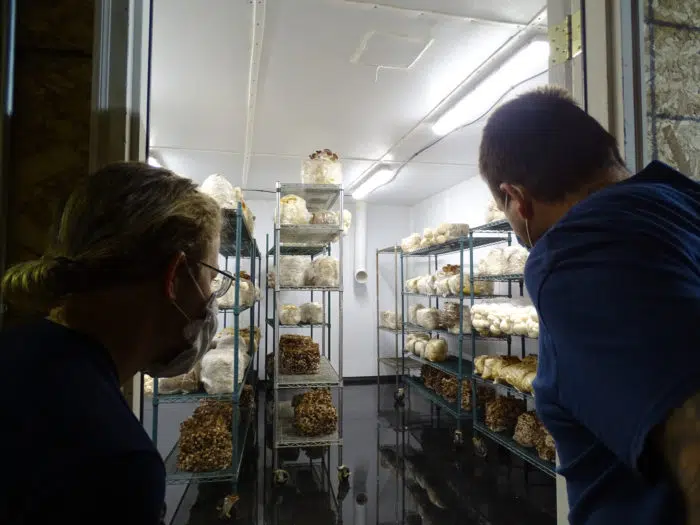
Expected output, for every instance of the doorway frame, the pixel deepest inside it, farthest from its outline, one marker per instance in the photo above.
(8, 20)
(120, 105)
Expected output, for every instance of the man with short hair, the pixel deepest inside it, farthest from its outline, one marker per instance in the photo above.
(614, 273)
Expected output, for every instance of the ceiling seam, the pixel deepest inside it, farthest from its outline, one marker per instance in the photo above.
(435, 13)
(256, 47)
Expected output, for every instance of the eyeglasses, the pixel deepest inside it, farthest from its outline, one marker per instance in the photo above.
(221, 283)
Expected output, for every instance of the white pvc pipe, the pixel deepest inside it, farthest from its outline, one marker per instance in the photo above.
(361, 242)
(360, 517)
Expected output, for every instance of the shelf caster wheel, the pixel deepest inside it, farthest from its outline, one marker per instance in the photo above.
(399, 397)
(343, 473)
(280, 477)
(228, 506)
(458, 438)
(479, 447)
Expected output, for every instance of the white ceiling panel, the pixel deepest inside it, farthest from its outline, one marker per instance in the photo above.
(517, 11)
(420, 181)
(460, 147)
(198, 165)
(312, 96)
(200, 74)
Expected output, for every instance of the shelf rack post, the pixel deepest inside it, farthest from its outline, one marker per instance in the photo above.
(341, 276)
(276, 328)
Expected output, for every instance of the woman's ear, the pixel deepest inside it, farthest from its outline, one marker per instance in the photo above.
(172, 275)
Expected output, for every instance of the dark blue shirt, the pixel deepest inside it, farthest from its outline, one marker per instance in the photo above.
(73, 451)
(616, 283)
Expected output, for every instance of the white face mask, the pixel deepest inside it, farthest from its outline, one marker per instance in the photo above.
(200, 334)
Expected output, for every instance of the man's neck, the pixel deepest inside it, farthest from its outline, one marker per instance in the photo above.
(552, 213)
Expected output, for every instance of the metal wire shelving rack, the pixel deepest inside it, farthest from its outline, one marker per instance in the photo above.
(309, 240)
(460, 365)
(237, 244)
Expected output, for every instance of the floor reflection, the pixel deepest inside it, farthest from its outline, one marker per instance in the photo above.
(405, 469)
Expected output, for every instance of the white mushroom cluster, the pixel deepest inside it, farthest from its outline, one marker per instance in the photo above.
(446, 283)
(497, 319)
(503, 261)
(423, 346)
(434, 236)
(227, 196)
(323, 166)
(390, 319)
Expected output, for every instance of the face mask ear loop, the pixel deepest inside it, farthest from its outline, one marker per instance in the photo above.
(194, 280)
(181, 311)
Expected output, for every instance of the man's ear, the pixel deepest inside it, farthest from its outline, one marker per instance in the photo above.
(172, 274)
(518, 200)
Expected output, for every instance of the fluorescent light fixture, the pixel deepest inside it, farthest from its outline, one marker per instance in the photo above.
(152, 161)
(527, 62)
(378, 178)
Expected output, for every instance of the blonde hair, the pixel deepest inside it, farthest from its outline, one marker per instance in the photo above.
(122, 224)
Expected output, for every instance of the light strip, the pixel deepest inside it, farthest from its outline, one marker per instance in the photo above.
(528, 61)
(377, 179)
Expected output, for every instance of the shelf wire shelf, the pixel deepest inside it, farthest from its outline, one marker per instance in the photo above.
(248, 245)
(194, 397)
(327, 376)
(480, 239)
(465, 297)
(451, 408)
(318, 197)
(526, 454)
(309, 234)
(310, 289)
(234, 310)
(503, 386)
(307, 250)
(398, 362)
(271, 322)
(450, 366)
(500, 226)
(493, 338)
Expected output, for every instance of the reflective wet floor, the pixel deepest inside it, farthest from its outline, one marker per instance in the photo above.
(405, 469)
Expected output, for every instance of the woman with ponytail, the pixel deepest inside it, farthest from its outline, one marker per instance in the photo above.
(125, 285)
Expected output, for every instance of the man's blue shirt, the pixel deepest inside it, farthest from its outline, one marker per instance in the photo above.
(616, 283)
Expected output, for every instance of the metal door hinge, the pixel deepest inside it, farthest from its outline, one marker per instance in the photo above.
(560, 41)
